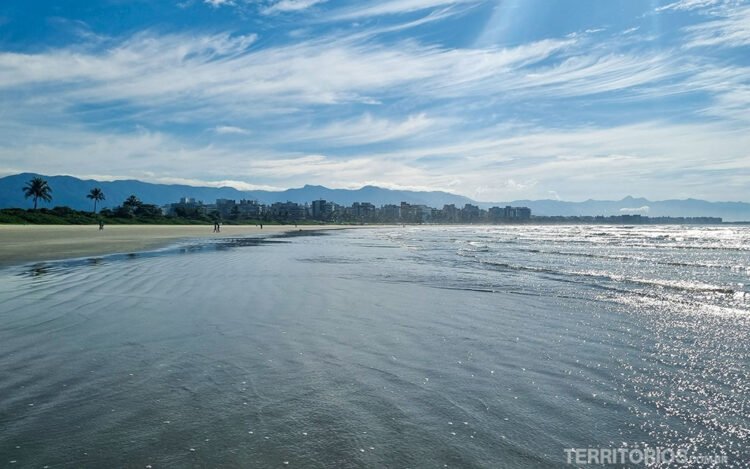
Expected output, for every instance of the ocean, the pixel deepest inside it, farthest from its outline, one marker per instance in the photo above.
(428, 346)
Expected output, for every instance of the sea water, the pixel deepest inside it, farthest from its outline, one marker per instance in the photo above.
(419, 346)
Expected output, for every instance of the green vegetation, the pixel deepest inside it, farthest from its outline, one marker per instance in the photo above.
(68, 216)
(123, 215)
(132, 211)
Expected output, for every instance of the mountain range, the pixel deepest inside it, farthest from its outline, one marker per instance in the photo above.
(71, 191)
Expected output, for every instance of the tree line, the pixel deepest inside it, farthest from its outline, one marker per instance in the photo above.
(132, 210)
(38, 190)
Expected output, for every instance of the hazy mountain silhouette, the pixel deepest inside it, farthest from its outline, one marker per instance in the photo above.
(71, 191)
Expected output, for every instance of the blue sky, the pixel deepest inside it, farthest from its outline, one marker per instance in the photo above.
(494, 99)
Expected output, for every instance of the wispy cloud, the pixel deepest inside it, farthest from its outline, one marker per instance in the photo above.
(496, 164)
(219, 3)
(687, 5)
(220, 69)
(392, 7)
(241, 185)
(229, 130)
(368, 129)
(729, 30)
(588, 75)
(636, 210)
(368, 94)
(222, 74)
(284, 6)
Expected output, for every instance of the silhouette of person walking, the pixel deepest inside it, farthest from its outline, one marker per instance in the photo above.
(101, 225)
(217, 227)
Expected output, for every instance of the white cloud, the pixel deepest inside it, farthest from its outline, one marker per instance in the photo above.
(392, 7)
(588, 75)
(729, 30)
(580, 162)
(636, 211)
(229, 130)
(701, 6)
(367, 129)
(223, 76)
(590, 162)
(157, 71)
(240, 185)
(347, 110)
(284, 6)
(687, 5)
(140, 60)
(512, 184)
(219, 3)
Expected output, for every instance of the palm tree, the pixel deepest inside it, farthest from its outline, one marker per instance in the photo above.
(129, 207)
(132, 201)
(96, 195)
(38, 189)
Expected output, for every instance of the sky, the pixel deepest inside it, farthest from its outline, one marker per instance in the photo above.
(497, 100)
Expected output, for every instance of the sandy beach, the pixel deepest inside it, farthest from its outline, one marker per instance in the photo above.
(31, 243)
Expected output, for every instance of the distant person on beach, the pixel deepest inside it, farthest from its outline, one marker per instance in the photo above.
(217, 227)
(261, 226)
(101, 225)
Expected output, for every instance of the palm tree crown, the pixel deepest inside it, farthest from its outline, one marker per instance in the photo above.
(38, 189)
(96, 194)
(132, 201)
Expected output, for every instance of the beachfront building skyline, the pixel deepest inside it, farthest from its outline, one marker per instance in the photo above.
(363, 212)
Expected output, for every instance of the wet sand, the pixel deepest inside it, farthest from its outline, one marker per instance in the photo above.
(30, 243)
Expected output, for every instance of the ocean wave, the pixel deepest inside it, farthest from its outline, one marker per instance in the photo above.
(685, 285)
(624, 257)
(681, 306)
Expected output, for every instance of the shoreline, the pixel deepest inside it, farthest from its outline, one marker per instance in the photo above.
(23, 244)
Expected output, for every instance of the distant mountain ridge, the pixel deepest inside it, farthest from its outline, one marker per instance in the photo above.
(71, 191)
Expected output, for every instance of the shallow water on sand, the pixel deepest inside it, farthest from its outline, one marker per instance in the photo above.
(409, 347)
